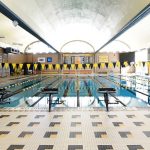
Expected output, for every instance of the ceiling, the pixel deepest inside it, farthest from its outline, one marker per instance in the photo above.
(62, 21)
(134, 39)
(13, 36)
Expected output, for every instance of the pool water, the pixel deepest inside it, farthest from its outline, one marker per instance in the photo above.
(78, 91)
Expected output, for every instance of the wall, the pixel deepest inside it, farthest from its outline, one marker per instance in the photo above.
(3, 58)
(12, 58)
(129, 57)
(1, 50)
(78, 58)
(142, 56)
(1, 55)
(56, 59)
(33, 58)
(112, 57)
(26, 58)
(30, 58)
(16, 58)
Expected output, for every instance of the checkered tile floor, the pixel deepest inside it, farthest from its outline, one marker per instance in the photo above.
(75, 130)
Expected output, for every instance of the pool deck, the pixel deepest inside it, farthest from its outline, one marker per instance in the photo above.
(74, 129)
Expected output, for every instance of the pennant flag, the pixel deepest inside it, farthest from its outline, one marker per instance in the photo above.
(61, 66)
(50, 66)
(20, 66)
(143, 63)
(46, 66)
(69, 66)
(87, 66)
(99, 65)
(43, 66)
(114, 64)
(14, 66)
(72, 66)
(65, 66)
(17, 66)
(125, 63)
(80, 66)
(110, 65)
(136, 64)
(147, 64)
(76, 65)
(91, 66)
(35, 66)
(106, 64)
(103, 65)
(3, 64)
(57, 66)
(84, 66)
(28, 66)
(6, 65)
(54, 66)
(118, 64)
(32, 67)
(39, 67)
(10, 65)
(95, 65)
(139, 63)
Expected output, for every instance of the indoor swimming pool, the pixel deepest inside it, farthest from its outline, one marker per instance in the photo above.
(76, 91)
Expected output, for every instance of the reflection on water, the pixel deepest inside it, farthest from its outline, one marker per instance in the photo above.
(84, 101)
(87, 90)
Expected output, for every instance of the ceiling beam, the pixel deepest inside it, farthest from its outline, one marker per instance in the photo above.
(12, 16)
(144, 12)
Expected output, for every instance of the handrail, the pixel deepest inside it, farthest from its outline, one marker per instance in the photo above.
(112, 94)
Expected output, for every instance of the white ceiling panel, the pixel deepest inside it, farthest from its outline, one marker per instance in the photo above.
(138, 37)
(61, 21)
(13, 36)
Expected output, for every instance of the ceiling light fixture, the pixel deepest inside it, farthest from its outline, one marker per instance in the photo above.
(15, 23)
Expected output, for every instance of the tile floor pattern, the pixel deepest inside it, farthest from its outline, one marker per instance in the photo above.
(75, 130)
